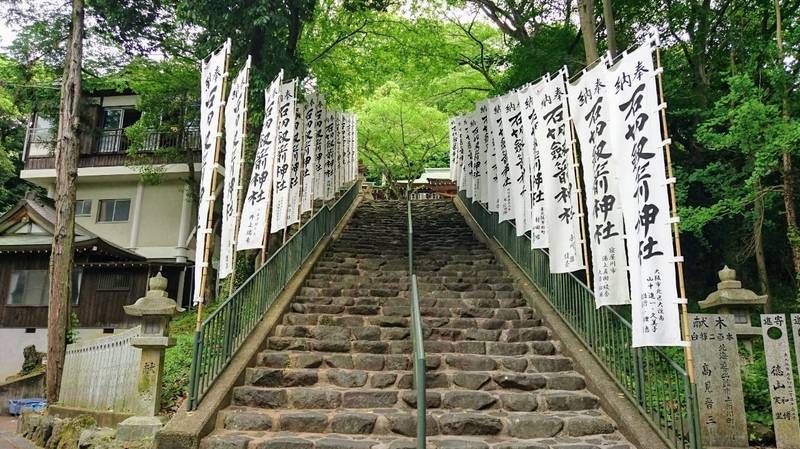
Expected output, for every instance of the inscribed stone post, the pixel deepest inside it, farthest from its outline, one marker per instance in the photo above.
(781, 382)
(719, 382)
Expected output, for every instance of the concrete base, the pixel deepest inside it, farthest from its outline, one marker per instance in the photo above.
(138, 428)
(103, 419)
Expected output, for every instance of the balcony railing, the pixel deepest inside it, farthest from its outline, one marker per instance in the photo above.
(104, 148)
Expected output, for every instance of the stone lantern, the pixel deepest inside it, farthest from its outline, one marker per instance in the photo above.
(155, 311)
(731, 298)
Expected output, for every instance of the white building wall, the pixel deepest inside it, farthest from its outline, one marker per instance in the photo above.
(14, 340)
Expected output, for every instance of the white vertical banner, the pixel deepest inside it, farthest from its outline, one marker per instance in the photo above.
(589, 104)
(258, 201)
(459, 156)
(212, 85)
(319, 149)
(330, 138)
(283, 156)
(477, 168)
(469, 156)
(463, 134)
(635, 130)
(559, 183)
(504, 195)
(235, 115)
(309, 148)
(483, 122)
(296, 168)
(492, 201)
(355, 147)
(337, 152)
(513, 133)
(529, 99)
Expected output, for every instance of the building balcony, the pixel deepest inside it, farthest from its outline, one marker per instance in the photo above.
(108, 147)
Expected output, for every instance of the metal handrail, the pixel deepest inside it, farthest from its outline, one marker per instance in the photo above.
(656, 384)
(416, 336)
(224, 331)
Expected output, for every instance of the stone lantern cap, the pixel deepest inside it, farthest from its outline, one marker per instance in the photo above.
(730, 292)
(155, 302)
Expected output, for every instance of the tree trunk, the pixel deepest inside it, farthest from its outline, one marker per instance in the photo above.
(758, 239)
(788, 169)
(611, 34)
(586, 15)
(66, 164)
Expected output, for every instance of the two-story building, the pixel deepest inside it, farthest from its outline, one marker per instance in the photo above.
(126, 228)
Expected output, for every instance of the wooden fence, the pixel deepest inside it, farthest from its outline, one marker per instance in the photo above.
(102, 374)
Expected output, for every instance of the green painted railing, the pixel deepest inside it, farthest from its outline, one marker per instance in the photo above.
(224, 331)
(416, 336)
(651, 379)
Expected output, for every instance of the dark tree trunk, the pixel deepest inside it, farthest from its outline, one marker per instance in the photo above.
(586, 14)
(611, 34)
(66, 164)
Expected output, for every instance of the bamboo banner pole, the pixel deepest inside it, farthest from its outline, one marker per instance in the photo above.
(578, 179)
(676, 232)
(209, 240)
(240, 187)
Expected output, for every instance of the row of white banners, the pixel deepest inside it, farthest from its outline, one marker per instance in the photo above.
(516, 153)
(305, 152)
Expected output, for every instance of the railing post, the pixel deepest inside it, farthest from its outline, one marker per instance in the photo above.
(638, 370)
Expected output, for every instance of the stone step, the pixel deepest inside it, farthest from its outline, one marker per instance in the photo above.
(404, 303)
(376, 377)
(433, 362)
(228, 439)
(334, 319)
(492, 427)
(516, 313)
(499, 348)
(357, 395)
(376, 333)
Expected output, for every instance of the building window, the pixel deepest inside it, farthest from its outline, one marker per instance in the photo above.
(113, 211)
(31, 287)
(114, 282)
(83, 208)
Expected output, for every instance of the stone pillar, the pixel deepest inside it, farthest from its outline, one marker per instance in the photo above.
(155, 310)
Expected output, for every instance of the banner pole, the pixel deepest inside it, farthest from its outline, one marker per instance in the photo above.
(240, 187)
(204, 264)
(577, 167)
(676, 233)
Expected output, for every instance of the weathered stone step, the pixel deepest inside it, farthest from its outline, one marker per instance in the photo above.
(516, 313)
(228, 439)
(322, 332)
(397, 362)
(401, 277)
(405, 346)
(500, 425)
(375, 377)
(403, 304)
(334, 319)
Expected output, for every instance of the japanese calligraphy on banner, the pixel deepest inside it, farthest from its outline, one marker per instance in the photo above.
(466, 157)
(258, 201)
(795, 317)
(529, 96)
(513, 132)
(781, 381)
(296, 168)
(477, 169)
(309, 149)
(483, 122)
(319, 149)
(589, 104)
(235, 109)
(212, 84)
(281, 187)
(504, 197)
(492, 198)
(559, 184)
(330, 138)
(635, 135)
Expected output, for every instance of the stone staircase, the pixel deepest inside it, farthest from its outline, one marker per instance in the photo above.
(337, 372)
